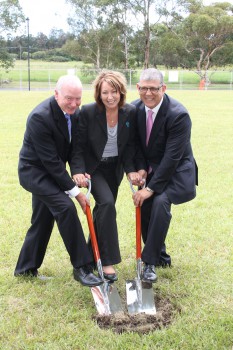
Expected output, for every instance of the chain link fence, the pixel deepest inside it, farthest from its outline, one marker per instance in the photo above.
(41, 78)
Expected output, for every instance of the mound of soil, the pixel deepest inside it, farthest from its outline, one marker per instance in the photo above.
(140, 323)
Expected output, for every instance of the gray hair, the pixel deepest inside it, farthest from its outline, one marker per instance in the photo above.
(152, 74)
(71, 80)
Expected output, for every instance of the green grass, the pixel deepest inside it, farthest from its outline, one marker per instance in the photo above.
(58, 314)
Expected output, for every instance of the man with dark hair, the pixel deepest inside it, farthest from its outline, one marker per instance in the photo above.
(167, 166)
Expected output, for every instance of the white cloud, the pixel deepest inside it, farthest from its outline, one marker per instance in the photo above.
(47, 14)
(44, 15)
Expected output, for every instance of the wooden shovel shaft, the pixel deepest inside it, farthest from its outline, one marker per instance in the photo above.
(92, 234)
(138, 233)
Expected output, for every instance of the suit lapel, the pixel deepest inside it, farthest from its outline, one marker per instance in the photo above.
(121, 120)
(142, 123)
(60, 119)
(101, 118)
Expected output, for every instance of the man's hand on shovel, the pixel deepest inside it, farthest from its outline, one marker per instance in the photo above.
(140, 196)
(83, 201)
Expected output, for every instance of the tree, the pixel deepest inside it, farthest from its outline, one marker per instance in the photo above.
(205, 31)
(11, 17)
(87, 23)
(119, 19)
(57, 38)
(125, 15)
(141, 10)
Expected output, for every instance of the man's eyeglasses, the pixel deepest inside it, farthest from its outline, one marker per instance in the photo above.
(153, 90)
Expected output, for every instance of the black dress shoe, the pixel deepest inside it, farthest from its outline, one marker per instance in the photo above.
(164, 259)
(149, 274)
(27, 273)
(163, 264)
(111, 277)
(85, 276)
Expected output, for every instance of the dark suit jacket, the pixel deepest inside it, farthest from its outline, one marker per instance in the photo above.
(92, 137)
(45, 150)
(169, 151)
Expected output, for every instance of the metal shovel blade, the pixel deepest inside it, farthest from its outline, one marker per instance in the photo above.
(139, 294)
(140, 297)
(107, 299)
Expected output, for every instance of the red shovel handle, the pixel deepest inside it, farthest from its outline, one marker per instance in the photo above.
(138, 227)
(94, 243)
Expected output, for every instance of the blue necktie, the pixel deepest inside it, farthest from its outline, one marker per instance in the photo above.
(67, 116)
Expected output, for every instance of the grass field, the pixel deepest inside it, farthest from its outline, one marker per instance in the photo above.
(58, 314)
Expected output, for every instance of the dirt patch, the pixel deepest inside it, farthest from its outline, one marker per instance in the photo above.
(140, 323)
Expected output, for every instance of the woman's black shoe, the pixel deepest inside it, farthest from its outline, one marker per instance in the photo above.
(111, 277)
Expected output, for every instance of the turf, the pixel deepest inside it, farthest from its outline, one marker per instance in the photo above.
(60, 314)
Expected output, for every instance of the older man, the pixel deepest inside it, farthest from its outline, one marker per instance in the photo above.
(47, 147)
(167, 165)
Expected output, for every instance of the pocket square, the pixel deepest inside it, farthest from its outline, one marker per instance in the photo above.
(127, 124)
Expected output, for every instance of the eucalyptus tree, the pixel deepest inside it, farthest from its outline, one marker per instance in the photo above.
(142, 14)
(119, 17)
(102, 53)
(146, 12)
(57, 38)
(11, 17)
(204, 31)
(89, 23)
(127, 16)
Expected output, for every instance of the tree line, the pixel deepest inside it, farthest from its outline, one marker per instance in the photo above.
(129, 34)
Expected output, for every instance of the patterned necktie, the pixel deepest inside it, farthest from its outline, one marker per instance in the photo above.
(149, 124)
(67, 116)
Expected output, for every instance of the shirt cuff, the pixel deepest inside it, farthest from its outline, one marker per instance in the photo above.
(73, 192)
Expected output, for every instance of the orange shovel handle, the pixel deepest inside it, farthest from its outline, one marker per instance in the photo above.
(94, 243)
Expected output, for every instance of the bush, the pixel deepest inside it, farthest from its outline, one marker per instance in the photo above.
(39, 55)
(57, 59)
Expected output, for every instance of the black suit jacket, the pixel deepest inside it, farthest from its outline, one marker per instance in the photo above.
(45, 150)
(169, 152)
(91, 139)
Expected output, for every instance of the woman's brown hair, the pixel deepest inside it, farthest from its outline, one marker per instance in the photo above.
(115, 79)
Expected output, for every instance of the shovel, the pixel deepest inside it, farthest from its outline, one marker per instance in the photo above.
(139, 294)
(106, 297)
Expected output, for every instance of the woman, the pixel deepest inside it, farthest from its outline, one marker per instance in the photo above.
(104, 149)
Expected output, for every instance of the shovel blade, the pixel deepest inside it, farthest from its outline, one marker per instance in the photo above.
(107, 299)
(140, 297)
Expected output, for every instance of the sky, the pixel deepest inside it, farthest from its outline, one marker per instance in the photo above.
(45, 15)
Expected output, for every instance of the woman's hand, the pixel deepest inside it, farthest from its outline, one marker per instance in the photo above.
(137, 178)
(81, 179)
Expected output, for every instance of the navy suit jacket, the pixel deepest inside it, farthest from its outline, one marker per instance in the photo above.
(92, 137)
(169, 152)
(45, 150)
